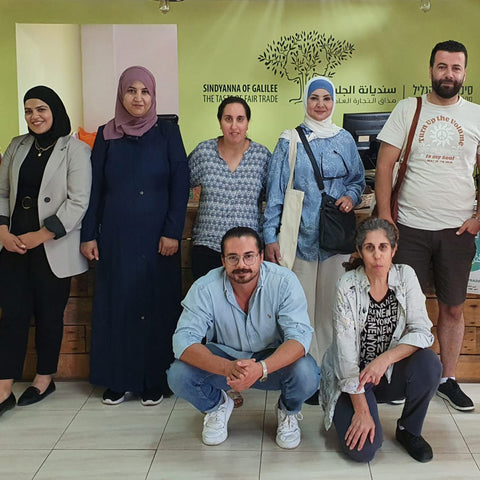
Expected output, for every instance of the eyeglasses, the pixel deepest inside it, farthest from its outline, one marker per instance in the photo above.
(248, 259)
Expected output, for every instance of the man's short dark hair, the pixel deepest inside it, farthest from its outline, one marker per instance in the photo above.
(449, 46)
(238, 232)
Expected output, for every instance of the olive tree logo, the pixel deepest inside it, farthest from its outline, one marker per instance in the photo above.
(304, 55)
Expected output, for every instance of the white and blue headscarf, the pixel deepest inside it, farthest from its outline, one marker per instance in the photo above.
(324, 128)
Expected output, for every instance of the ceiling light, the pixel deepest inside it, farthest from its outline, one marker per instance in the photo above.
(425, 5)
(164, 5)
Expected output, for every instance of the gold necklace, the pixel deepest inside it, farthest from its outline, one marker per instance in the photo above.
(40, 149)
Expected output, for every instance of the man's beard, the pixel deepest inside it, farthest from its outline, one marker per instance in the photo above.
(239, 271)
(449, 91)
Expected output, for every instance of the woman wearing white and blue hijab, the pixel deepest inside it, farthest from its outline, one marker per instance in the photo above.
(340, 165)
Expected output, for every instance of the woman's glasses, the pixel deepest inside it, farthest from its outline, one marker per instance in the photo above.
(248, 259)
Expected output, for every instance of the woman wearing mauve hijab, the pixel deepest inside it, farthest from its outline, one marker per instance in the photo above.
(344, 178)
(45, 179)
(133, 228)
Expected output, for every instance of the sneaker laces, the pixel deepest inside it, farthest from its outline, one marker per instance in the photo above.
(289, 422)
(215, 418)
(456, 386)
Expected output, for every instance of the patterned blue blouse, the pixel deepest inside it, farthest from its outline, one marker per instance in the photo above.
(342, 172)
(228, 199)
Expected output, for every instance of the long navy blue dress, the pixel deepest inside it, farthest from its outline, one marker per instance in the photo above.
(139, 194)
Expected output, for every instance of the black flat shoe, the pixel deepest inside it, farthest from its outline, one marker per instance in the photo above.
(417, 447)
(32, 395)
(8, 404)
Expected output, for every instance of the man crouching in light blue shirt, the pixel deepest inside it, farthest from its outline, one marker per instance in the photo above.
(253, 315)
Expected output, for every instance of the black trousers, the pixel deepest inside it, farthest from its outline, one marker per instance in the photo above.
(204, 259)
(414, 378)
(29, 288)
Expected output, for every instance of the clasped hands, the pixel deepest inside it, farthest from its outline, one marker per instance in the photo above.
(21, 243)
(242, 374)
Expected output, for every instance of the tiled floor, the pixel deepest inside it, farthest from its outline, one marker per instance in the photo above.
(71, 435)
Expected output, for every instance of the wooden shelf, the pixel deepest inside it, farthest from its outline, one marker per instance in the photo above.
(74, 356)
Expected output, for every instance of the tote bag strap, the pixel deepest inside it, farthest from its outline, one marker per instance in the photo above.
(292, 157)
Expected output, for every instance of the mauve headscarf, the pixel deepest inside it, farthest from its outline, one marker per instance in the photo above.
(123, 123)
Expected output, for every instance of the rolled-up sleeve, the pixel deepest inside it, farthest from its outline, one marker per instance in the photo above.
(277, 180)
(195, 320)
(293, 317)
(79, 179)
(345, 338)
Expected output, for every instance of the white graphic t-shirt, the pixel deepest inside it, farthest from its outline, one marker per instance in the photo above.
(438, 190)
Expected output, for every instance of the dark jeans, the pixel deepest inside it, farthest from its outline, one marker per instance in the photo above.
(414, 378)
(29, 288)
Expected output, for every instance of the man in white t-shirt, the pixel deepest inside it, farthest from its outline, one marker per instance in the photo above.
(437, 220)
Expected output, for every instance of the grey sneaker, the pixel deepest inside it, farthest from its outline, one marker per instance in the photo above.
(288, 431)
(215, 424)
(452, 393)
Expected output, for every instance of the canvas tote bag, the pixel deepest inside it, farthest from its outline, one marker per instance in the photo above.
(292, 211)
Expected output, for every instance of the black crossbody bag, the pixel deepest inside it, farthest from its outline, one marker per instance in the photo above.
(337, 228)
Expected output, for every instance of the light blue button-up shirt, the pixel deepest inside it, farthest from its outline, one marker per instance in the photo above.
(343, 174)
(277, 312)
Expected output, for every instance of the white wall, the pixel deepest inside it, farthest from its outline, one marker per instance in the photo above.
(108, 49)
(83, 64)
(50, 55)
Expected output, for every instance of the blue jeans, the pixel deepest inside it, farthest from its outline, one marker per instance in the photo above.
(297, 382)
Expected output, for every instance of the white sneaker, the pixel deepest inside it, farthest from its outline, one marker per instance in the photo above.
(288, 431)
(215, 424)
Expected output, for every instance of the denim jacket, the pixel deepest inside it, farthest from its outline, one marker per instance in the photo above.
(343, 174)
(340, 365)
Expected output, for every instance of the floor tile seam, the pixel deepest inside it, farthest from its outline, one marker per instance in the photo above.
(370, 470)
(152, 460)
(461, 434)
(165, 427)
(65, 429)
(303, 449)
(103, 449)
(476, 463)
(92, 391)
(203, 448)
(42, 464)
(264, 421)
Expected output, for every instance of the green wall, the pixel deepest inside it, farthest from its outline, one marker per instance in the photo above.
(219, 42)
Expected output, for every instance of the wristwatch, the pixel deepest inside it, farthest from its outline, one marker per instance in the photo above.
(264, 371)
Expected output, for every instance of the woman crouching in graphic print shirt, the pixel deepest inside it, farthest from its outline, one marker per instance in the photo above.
(380, 349)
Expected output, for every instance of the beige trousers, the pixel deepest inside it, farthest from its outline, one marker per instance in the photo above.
(319, 281)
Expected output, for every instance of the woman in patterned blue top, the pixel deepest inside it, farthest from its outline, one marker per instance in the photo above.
(344, 178)
(231, 171)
